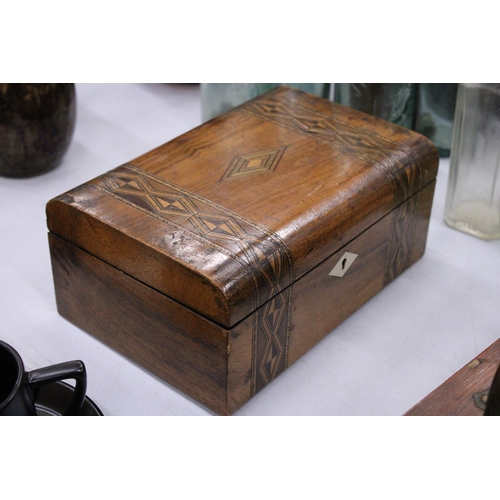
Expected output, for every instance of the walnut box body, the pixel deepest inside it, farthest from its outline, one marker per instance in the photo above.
(218, 259)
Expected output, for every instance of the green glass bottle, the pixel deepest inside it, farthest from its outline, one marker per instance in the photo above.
(435, 113)
(394, 102)
(217, 98)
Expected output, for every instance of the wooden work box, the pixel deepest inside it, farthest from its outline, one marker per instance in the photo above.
(218, 259)
(466, 392)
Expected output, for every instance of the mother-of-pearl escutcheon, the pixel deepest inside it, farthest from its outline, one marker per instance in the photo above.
(343, 264)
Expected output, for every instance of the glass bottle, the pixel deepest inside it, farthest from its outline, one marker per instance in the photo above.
(473, 197)
(217, 98)
(435, 113)
(394, 102)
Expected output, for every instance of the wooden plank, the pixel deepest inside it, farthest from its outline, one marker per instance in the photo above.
(458, 395)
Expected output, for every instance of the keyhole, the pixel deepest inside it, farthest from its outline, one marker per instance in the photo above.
(343, 264)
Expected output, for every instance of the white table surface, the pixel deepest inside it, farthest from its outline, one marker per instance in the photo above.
(400, 346)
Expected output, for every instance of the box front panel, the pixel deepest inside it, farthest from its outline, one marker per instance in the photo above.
(288, 326)
(160, 335)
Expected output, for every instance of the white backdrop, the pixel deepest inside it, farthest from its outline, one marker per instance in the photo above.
(400, 346)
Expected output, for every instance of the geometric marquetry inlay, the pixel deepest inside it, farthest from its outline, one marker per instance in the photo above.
(262, 254)
(254, 163)
(386, 155)
(271, 339)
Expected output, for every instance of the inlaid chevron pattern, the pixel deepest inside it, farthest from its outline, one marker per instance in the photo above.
(271, 340)
(397, 161)
(404, 223)
(262, 254)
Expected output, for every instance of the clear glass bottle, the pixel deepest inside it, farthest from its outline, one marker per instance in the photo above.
(394, 102)
(217, 98)
(473, 198)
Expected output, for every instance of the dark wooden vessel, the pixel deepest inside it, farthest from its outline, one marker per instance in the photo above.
(218, 259)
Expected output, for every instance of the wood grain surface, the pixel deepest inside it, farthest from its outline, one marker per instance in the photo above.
(459, 395)
(152, 330)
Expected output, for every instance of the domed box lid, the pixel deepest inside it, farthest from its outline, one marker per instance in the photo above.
(226, 216)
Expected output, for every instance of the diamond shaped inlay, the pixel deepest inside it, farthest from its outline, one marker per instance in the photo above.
(272, 339)
(254, 163)
(221, 227)
(129, 184)
(173, 205)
